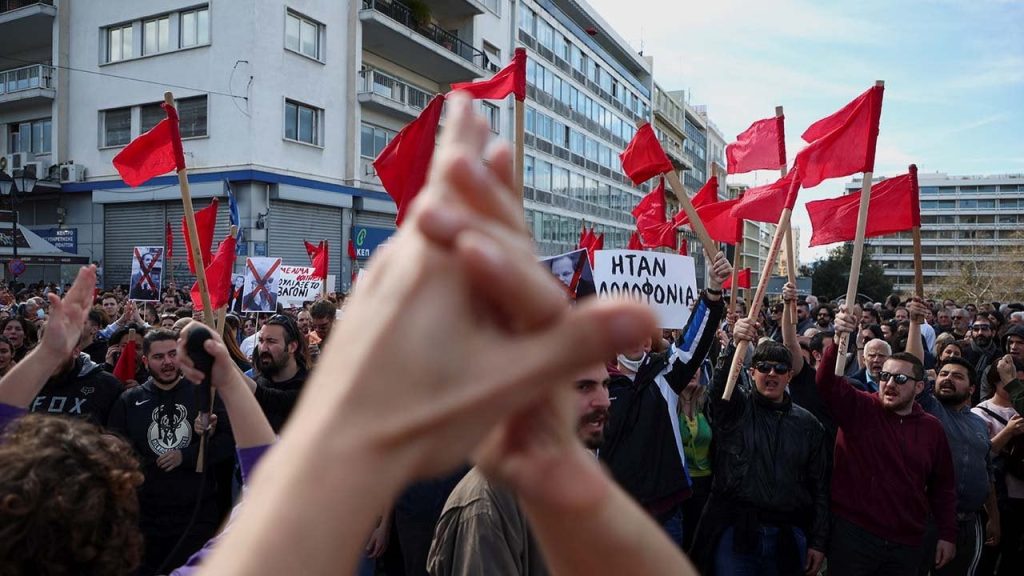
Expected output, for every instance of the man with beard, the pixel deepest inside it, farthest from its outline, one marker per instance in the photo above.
(823, 319)
(79, 387)
(893, 470)
(983, 350)
(157, 420)
(282, 367)
(482, 529)
(955, 383)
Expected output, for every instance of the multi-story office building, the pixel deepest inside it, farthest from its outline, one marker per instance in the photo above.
(586, 90)
(963, 218)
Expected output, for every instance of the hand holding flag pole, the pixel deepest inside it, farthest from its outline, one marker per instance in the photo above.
(762, 285)
(858, 252)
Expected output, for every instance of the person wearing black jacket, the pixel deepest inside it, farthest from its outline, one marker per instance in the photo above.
(282, 361)
(769, 506)
(643, 448)
(79, 388)
(158, 419)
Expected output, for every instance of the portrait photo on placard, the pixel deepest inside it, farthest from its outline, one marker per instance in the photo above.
(262, 276)
(573, 270)
(147, 269)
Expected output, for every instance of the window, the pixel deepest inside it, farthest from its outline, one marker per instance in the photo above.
(191, 116)
(542, 175)
(526, 20)
(493, 6)
(493, 116)
(119, 43)
(156, 35)
(373, 139)
(33, 136)
(302, 123)
(117, 126)
(195, 27)
(528, 171)
(302, 35)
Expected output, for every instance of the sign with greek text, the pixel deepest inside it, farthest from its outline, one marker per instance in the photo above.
(297, 285)
(666, 282)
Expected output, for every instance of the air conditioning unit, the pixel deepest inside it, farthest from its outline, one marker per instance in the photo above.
(40, 169)
(15, 162)
(71, 172)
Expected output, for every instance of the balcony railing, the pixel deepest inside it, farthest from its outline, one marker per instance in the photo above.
(403, 15)
(8, 5)
(376, 82)
(26, 78)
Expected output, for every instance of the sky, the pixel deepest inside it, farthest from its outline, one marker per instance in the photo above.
(953, 72)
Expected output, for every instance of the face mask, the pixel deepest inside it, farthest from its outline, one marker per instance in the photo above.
(631, 366)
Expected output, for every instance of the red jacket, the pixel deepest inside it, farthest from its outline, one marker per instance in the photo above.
(890, 471)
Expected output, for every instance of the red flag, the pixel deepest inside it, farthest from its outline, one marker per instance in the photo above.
(634, 242)
(650, 220)
(218, 276)
(206, 221)
(586, 237)
(597, 243)
(402, 165)
(742, 278)
(719, 222)
(915, 203)
(644, 159)
(352, 250)
(154, 153)
(684, 249)
(843, 143)
(126, 364)
(318, 258)
(760, 147)
(891, 209)
(765, 203)
(509, 80)
(169, 240)
(708, 194)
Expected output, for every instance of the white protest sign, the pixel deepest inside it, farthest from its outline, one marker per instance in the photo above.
(262, 275)
(297, 285)
(666, 282)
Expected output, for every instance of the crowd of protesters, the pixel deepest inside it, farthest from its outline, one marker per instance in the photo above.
(456, 416)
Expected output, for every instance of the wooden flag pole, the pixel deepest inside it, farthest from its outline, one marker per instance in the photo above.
(788, 314)
(520, 127)
(762, 285)
(736, 266)
(710, 246)
(193, 234)
(858, 255)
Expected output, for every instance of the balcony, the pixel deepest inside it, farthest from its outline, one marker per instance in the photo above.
(25, 24)
(385, 93)
(675, 154)
(390, 30)
(27, 85)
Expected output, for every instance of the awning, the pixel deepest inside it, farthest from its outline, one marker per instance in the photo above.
(33, 249)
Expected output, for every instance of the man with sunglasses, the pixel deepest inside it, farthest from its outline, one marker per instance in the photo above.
(892, 470)
(768, 510)
(983, 351)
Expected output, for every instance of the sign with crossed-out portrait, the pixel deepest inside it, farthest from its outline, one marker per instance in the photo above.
(147, 270)
(262, 277)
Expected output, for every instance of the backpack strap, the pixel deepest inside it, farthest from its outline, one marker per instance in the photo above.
(998, 418)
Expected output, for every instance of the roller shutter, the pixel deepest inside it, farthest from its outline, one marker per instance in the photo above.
(290, 223)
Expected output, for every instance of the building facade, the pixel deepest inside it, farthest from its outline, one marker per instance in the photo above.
(963, 218)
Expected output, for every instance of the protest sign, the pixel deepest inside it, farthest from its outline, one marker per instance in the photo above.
(298, 285)
(262, 276)
(666, 282)
(147, 267)
(573, 270)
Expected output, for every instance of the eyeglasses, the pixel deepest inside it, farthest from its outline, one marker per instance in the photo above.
(780, 368)
(981, 327)
(897, 378)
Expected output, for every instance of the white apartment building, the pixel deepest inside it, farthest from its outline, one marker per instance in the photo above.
(963, 218)
(283, 101)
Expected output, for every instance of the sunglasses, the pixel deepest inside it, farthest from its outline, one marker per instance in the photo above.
(898, 378)
(981, 327)
(780, 368)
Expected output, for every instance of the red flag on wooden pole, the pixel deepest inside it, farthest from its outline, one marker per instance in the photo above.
(318, 258)
(644, 158)
(891, 209)
(762, 146)
(708, 194)
(765, 203)
(218, 276)
(402, 165)
(509, 80)
(843, 143)
(154, 153)
(206, 221)
(743, 280)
